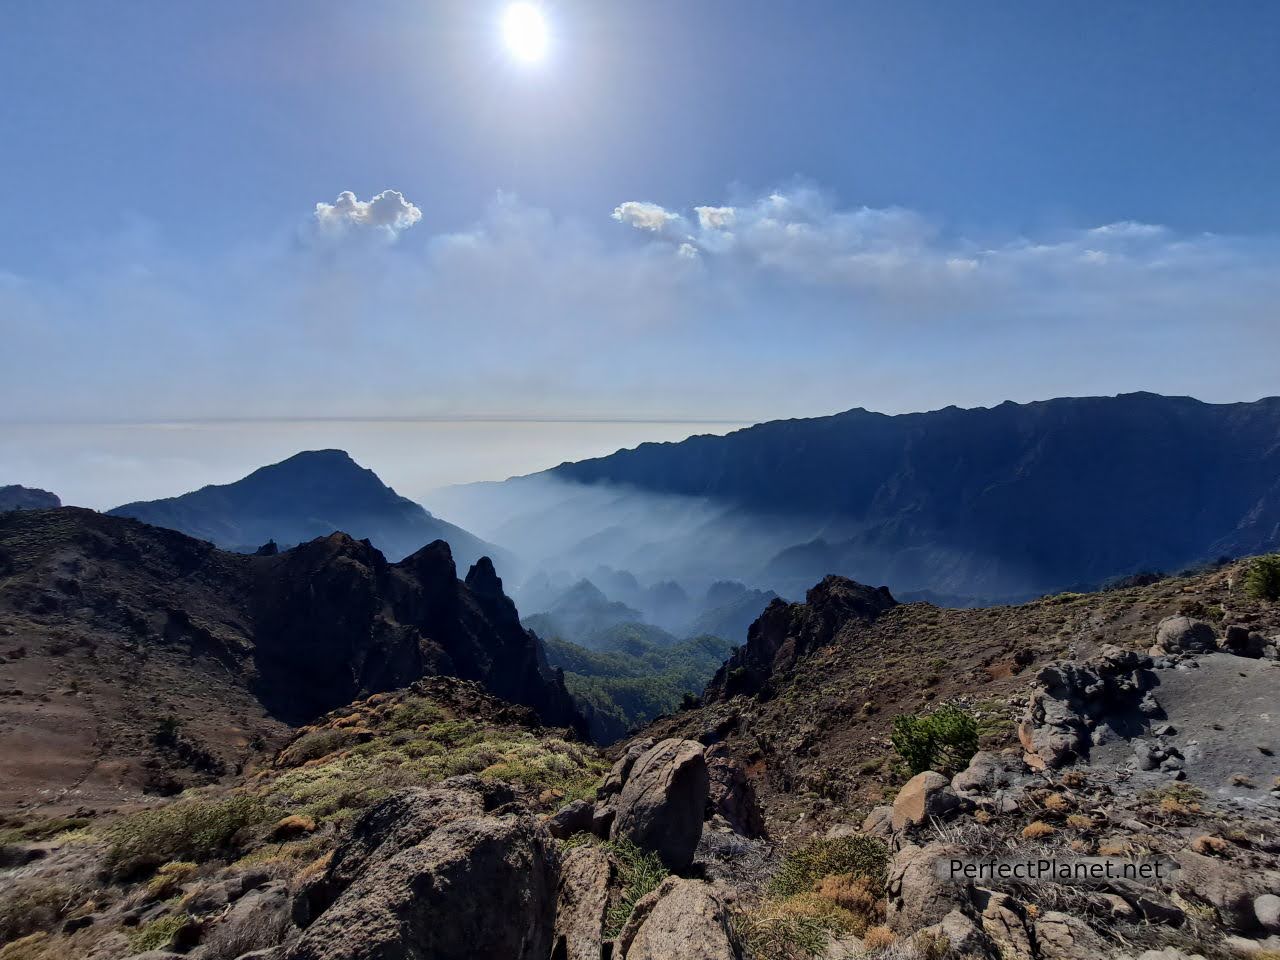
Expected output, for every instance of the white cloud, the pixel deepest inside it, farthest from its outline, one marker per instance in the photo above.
(645, 216)
(387, 211)
(715, 218)
(687, 251)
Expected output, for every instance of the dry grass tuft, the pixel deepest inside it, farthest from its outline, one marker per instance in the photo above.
(1037, 830)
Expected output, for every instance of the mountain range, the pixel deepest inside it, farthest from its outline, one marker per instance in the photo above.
(309, 495)
(978, 505)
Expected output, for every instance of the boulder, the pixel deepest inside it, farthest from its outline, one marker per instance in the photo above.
(1006, 921)
(617, 776)
(397, 823)
(1267, 910)
(1243, 642)
(916, 895)
(926, 796)
(582, 903)
(663, 801)
(573, 817)
(476, 887)
(731, 794)
(681, 920)
(1184, 635)
(959, 936)
(879, 822)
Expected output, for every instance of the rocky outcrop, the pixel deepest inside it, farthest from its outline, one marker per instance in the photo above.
(681, 920)
(663, 800)
(587, 876)
(916, 893)
(1075, 703)
(786, 632)
(732, 796)
(992, 781)
(476, 887)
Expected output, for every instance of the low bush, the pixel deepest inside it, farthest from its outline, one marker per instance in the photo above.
(31, 906)
(196, 829)
(944, 740)
(858, 855)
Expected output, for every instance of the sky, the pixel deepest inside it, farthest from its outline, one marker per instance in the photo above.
(683, 216)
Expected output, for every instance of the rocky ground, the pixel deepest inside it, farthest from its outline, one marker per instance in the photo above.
(774, 822)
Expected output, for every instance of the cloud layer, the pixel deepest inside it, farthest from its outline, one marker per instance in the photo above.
(786, 303)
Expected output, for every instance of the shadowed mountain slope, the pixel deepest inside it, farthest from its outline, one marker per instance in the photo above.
(1011, 501)
(309, 495)
(115, 636)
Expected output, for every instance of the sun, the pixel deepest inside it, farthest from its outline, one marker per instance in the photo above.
(524, 29)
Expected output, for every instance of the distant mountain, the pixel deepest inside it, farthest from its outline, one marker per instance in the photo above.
(309, 495)
(126, 625)
(582, 614)
(985, 504)
(15, 497)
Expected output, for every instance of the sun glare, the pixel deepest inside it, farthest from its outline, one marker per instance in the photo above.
(525, 30)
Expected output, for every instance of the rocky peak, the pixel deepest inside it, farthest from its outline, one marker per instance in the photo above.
(17, 497)
(786, 632)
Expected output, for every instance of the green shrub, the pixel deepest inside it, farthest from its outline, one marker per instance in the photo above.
(944, 740)
(195, 830)
(157, 934)
(1262, 579)
(640, 873)
(859, 855)
(31, 906)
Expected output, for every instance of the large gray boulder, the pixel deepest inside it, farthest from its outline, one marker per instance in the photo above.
(476, 887)
(681, 920)
(663, 800)
(1184, 635)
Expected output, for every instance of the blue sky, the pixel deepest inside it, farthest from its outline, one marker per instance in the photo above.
(720, 209)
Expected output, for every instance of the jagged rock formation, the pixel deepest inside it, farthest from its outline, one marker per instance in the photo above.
(16, 497)
(786, 632)
(309, 495)
(170, 630)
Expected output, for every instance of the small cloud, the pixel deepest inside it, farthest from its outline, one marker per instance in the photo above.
(687, 251)
(645, 216)
(715, 218)
(387, 211)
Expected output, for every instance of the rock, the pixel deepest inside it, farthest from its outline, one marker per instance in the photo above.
(926, 796)
(574, 817)
(879, 822)
(602, 820)
(397, 823)
(961, 935)
(1219, 883)
(1184, 635)
(916, 896)
(663, 801)
(617, 776)
(1005, 920)
(1266, 909)
(1060, 936)
(681, 920)
(582, 902)
(1243, 642)
(992, 781)
(732, 796)
(476, 887)
(156, 955)
(1073, 700)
